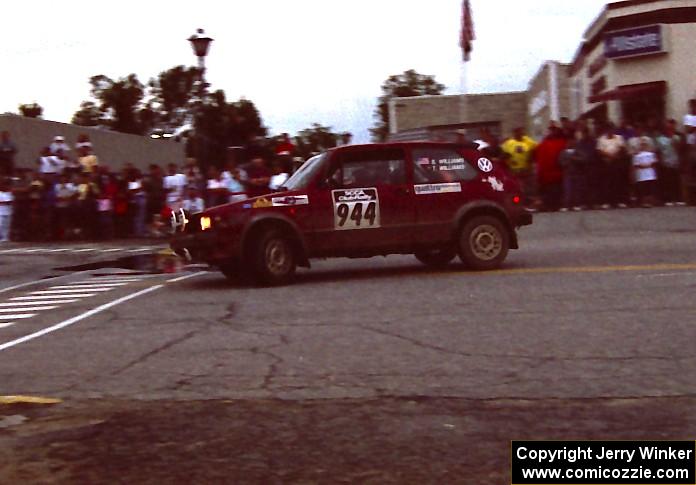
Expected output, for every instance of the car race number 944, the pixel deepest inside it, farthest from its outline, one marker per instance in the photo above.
(355, 208)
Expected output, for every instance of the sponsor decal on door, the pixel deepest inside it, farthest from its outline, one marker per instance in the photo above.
(424, 189)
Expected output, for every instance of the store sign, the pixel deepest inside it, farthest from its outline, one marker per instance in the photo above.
(634, 42)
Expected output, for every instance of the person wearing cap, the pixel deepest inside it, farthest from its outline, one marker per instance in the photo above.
(59, 144)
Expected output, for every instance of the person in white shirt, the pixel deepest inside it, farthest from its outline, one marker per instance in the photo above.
(690, 117)
(644, 163)
(217, 192)
(50, 164)
(280, 175)
(193, 202)
(6, 201)
(174, 185)
(59, 144)
(613, 154)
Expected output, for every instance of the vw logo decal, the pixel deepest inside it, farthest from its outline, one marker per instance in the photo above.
(485, 165)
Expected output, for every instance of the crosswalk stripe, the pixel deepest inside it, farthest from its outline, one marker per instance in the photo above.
(17, 316)
(69, 291)
(85, 286)
(120, 280)
(27, 308)
(5, 325)
(65, 299)
(49, 302)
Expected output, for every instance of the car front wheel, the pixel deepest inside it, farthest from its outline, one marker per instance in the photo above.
(484, 243)
(273, 259)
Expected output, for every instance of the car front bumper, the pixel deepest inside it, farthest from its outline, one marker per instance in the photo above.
(210, 247)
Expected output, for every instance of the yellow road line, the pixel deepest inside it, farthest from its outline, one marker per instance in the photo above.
(585, 269)
(28, 400)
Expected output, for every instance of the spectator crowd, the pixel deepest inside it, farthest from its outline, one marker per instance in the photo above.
(70, 195)
(577, 165)
(580, 165)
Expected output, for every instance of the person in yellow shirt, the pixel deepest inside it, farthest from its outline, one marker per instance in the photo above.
(519, 150)
(519, 153)
(88, 160)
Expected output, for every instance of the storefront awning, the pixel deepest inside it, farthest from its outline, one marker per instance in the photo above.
(631, 91)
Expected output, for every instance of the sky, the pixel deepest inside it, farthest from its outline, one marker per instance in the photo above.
(299, 61)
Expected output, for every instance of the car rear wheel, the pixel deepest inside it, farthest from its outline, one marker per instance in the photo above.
(436, 258)
(484, 243)
(272, 259)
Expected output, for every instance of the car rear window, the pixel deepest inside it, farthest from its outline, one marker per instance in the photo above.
(441, 165)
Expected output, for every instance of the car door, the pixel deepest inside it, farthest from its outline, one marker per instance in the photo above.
(366, 203)
(443, 181)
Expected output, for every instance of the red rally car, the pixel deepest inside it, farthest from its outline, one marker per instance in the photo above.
(433, 200)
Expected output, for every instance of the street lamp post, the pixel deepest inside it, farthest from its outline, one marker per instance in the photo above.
(200, 44)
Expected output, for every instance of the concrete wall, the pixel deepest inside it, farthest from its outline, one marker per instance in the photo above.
(113, 149)
(422, 111)
(507, 109)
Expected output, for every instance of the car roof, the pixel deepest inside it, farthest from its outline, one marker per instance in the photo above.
(407, 144)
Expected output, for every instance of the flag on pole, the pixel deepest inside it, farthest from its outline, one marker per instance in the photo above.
(467, 35)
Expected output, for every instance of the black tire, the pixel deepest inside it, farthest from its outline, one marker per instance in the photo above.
(483, 242)
(272, 260)
(436, 258)
(232, 270)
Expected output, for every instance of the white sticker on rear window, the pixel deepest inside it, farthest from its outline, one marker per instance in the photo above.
(355, 208)
(424, 189)
(496, 184)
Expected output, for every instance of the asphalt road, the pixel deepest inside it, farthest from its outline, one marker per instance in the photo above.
(596, 307)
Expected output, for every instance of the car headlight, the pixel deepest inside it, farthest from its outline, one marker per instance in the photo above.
(206, 223)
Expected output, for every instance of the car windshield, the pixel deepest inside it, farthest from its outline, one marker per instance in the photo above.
(305, 173)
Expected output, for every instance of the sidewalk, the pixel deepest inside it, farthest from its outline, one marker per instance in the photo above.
(110, 245)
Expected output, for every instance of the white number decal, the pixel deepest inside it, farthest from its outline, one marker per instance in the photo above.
(355, 209)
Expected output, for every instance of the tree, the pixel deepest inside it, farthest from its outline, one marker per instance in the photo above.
(317, 138)
(406, 85)
(121, 103)
(33, 110)
(219, 124)
(171, 93)
(88, 115)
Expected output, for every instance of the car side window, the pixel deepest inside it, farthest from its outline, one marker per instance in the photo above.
(441, 165)
(370, 168)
